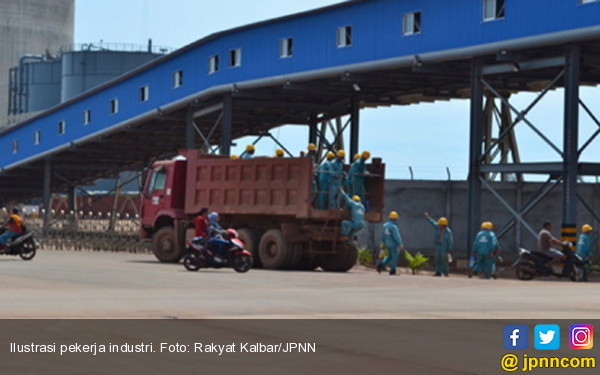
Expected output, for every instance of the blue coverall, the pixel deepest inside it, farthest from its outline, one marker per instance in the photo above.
(314, 178)
(350, 227)
(323, 180)
(247, 155)
(336, 176)
(484, 246)
(584, 249)
(356, 178)
(442, 246)
(392, 240)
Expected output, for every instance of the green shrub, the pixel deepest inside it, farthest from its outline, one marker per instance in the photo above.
(365, 257)
(417, 262)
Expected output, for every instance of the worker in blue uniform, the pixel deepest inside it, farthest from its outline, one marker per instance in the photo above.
(357, 211)
(485, 247)
(393, 242)
(356, 175)
(323, 180)
(312, 153)
(336, 178)
(444, 242)
(249, 153)
(584, 246)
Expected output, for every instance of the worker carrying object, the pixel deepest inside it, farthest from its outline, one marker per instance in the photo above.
(584, 247)
(357, 210)
(444, 242)
(393, 242)
(336, 178)
(323, 180)
(249, 153)
(485, 248)
(356, 175)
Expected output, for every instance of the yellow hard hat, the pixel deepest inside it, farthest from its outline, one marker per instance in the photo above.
(393, 215)
(249, 148)
(487, 225)
(442, 221)
(341, 154)
(312, 147)
(356, 198)
(330, 155)
(356, 157)
(234, 157)
(279, 152)
(366, 155)
(585, 228)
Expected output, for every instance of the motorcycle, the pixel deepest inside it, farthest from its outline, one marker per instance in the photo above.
(534, 263)
(25, 245)
(199, 254)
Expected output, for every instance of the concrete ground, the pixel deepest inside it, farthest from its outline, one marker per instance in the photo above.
(66, 284)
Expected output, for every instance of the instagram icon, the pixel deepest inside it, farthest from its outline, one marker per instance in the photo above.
(581, 336)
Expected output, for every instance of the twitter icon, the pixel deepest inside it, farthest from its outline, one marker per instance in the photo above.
(547, 337)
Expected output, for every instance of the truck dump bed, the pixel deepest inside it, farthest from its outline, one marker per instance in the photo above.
(260, 186)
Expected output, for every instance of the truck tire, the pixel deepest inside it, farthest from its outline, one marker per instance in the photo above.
(343, 261)
(295, 257)
(272, 250)
(165, 247)
(251, 237)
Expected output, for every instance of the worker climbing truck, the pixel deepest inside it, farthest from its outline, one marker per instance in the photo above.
(268, 200)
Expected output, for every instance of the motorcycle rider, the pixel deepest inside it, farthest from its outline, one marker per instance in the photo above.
(544, 244)
(216, 241)
(201, 225)
(15, 229)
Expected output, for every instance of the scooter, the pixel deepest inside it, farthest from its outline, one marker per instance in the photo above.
(534, 263)
(25, 245)
(199, 254)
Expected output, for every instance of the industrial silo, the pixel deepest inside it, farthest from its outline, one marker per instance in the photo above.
(31, 27)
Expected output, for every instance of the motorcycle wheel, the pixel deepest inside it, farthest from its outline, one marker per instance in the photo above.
(28, 250)
(192, 261)
(577, 273)
(525, 271)
(242, 263)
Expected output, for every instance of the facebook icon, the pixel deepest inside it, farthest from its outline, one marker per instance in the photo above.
(516, 337)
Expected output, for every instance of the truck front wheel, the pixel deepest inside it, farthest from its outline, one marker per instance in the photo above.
(165, 246)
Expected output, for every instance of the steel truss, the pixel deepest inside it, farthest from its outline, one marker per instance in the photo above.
(484, 149)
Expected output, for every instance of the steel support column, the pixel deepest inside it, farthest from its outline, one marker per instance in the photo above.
(354, 127)
(570, 145)
(226, 125)
(190, 132)
(47, 192)
(312, 129)
(475, 152)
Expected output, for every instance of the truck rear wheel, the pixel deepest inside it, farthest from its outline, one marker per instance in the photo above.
(165, 246)
(251, 237)
(343, 261)
(272, 250)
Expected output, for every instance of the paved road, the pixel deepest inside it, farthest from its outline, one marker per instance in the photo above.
(107, 285)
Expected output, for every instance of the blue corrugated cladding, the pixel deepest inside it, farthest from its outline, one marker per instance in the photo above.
(376, 31)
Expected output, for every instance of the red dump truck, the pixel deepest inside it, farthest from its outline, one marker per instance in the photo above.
(268, 200)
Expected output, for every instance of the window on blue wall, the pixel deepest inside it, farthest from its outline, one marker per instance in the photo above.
(588, 1)
(114, 106)
(144, 93)
(213, 64)
(87, 117)
(286, 47)
(15, 146)
(177, 79)
(493, 9)
(62, 127)
(37, 137)
(344, 36)
(411, 23)
(235, 57)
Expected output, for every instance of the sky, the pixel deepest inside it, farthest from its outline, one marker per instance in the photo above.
(427, 138)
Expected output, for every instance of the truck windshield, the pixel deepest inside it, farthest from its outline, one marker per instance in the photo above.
(157, 181)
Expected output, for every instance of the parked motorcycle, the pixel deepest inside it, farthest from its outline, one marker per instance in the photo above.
(24, 245)
(200, 254)
(534, 263)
